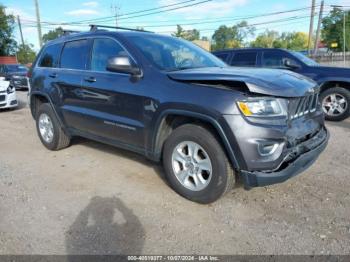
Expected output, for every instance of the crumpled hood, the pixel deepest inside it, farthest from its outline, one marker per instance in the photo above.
(272, 82)
(4, 85)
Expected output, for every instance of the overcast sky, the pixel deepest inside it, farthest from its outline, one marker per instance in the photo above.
(205, 17)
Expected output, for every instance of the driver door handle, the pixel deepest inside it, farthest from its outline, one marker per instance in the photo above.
(90, 79)
(53, 75)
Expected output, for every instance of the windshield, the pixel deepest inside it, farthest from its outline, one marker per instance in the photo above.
(171, 54)
(305, 59)
(16, 68)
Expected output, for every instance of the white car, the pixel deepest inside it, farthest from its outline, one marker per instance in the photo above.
(7, 94)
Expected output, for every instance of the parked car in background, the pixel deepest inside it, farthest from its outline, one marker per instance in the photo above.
(334, 82)
(16, 74)
(7, 94)
(171, 101)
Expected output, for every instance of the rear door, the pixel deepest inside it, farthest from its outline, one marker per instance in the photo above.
(113, 110)
(73, 63)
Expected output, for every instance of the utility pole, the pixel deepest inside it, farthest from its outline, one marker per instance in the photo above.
(20, 29)
(318, 28)
(115, 8)
(38, 22)
(344, 35)
(311, 29)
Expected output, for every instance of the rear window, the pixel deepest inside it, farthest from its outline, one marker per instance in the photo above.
(50, 56)
(244, 59)
(222, 56)
(75, 54)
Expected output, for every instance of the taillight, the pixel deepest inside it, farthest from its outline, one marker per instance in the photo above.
(29, 73)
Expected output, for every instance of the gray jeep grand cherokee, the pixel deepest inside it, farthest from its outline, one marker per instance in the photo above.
(173, 102)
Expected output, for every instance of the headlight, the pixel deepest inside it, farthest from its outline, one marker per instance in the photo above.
(263, 107)
(11, 89)
(16, 77)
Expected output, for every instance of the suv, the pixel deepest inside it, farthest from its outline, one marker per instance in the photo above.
(16, 74)
(171, 101)
(334, 82)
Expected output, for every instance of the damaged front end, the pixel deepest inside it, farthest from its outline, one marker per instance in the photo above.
(276, 125)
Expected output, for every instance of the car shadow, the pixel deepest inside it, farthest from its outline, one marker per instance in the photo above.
(119, 152)
(106, 226)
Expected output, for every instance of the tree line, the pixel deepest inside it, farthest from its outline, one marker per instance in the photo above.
(224, 37)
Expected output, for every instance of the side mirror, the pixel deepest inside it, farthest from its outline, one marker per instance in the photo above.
(122, 64)
(291, 64)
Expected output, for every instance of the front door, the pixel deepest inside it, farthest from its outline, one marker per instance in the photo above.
(113, 102)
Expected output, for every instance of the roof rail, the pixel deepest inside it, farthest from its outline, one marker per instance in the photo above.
(95, 27)
(67, 32)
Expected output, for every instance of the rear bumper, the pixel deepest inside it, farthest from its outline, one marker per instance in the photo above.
(287, 168)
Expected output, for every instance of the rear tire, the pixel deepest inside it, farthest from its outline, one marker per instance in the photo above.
(203, 176)
(336, 103)
(49, 129)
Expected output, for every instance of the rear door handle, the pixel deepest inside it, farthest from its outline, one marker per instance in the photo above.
(53, 75)
(90, 79)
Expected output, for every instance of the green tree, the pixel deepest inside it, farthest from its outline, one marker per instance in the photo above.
(53, 34)
(231, 37)
(332, 29)
(7, 42)
(189, 35)
(272, 39)
(26, 54)
(266, 39)
(295, 41)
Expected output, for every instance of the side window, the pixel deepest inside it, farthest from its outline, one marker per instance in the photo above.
(244, 59)
(222, 56)
(103, 49)
(75, 54)
(50, 56)
(273, 59)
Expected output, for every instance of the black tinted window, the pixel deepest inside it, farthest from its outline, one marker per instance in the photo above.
(222, 56)
(273, 59)
(50, 56)
(74, 55)
(103, 49)
(244, 59)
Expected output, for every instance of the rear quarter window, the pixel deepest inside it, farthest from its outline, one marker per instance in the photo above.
(244, 59)
(50, 56)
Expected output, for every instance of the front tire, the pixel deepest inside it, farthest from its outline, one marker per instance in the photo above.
(49, 130)
(336, 103)
(196, 165)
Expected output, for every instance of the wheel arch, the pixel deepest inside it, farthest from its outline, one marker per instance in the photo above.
(334, 83)
(169, 120)
(36, 99)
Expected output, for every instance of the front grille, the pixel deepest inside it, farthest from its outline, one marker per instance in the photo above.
(299, 107)
(2, 98)
(21, 81)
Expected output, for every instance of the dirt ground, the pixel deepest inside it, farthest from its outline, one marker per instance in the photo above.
(95, 199)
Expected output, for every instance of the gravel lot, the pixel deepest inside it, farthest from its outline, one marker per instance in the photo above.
(95, 199)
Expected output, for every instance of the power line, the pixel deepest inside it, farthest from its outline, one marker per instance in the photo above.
(224, 19)
(100, 19)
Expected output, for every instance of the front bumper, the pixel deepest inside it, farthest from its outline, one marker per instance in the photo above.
(289, 168)
(8, 100)
(20, 83)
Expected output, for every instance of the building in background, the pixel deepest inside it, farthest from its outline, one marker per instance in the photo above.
(8, 60)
